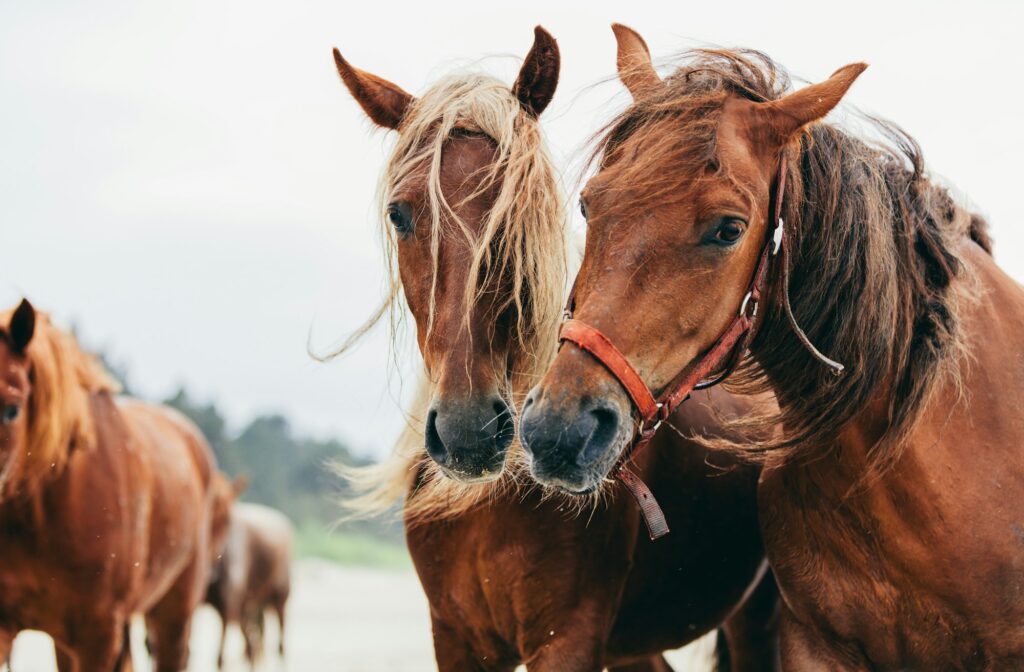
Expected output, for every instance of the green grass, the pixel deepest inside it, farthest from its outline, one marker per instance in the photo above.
(350, 548)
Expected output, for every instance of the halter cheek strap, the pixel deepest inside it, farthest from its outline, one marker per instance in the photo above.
(722, 357)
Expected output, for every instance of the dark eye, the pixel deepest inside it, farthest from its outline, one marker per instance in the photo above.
(729, 230)
(583, 208)
(400, 216)
(10, 413)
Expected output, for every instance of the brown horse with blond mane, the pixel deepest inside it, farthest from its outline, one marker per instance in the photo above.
(474, 217)
(105, 506)
(893, 497)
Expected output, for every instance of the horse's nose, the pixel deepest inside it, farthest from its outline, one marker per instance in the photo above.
(469, 438)
(569, 452)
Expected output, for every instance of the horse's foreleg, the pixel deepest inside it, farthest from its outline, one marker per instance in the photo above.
(65, 662)
(751, 634)
(96, 647)
(279, 604)
(454, 654)
(569, 654)
(223, 636)
(653, 664)
(6, 644)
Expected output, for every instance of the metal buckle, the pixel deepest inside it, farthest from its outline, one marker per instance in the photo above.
(653, 428)
(777, 237)
(746, 300)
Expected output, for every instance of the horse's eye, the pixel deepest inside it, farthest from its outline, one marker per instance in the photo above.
(583, 208)
(729, 230)
(400, 216)
(10, 413)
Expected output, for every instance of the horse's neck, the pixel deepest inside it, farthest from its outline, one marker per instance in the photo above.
(971, 423)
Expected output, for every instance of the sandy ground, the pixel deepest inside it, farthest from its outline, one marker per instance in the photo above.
(341, 619)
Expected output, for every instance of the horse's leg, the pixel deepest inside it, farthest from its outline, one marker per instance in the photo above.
(248, 627)
(804, 650)
(170, 641)
(751, 634)
(223, 636)
(653, 664)
(6, 644)
(96, 647)
(65, 661)
(261, 631)
(455, 654)
(170, 621)
(124, 659)
(279, 603)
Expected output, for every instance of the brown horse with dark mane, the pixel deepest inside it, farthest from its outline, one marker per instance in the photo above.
(893, 496)
(515, 574)
(105, 506)
(252, 575)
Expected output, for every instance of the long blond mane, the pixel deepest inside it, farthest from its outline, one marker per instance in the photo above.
(522, 239)
(63, 377)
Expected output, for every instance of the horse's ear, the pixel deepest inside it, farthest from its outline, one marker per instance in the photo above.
(636, 70)
(22, 326)
(239, 485)
(788, 115)
(385, 103)
(538, 78)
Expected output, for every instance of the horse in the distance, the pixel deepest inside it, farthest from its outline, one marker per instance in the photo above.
(893, 494)
(475, 225)
(105, 506)
(252, 574)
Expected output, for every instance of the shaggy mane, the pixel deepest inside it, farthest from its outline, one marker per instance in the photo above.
(63, 378)
(521, 242)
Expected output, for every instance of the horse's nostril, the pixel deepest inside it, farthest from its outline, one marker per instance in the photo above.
(605, 429)
(505, 424)
(435, 446)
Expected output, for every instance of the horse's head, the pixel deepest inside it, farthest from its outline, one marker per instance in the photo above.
(15, 390)
(677, 222)
(472, 216)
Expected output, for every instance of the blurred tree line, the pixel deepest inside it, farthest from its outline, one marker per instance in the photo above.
(288, 472)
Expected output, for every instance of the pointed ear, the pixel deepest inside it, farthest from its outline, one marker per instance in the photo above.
(239, 484)
(786, 116)
(538, 78)
(634, 61)
(23, 325)
(385, 103)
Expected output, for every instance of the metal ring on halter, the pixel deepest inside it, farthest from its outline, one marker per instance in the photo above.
(657, 424)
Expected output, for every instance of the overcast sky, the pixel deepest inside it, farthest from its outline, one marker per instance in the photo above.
(189, 182)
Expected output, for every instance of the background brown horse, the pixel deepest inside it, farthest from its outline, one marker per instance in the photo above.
(892, 506)
(252, 575)
(512, 574)
(104, 506)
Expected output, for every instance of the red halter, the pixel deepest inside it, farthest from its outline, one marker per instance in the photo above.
(723, 357)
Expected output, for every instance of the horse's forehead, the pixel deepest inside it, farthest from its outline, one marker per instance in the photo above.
(464, 155)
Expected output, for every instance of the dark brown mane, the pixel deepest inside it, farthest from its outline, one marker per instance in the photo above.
(875, 254)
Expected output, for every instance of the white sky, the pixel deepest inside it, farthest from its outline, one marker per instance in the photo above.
(189, 182)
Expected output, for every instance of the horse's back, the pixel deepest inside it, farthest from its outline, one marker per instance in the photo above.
(269, 536)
